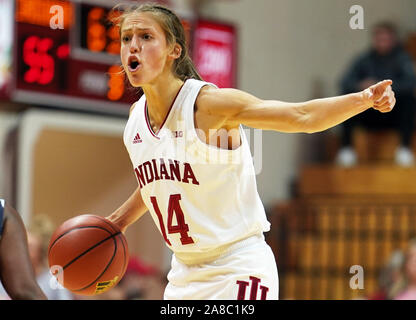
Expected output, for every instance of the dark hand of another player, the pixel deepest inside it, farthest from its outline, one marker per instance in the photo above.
(16, 270)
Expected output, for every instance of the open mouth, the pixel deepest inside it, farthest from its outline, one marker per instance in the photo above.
(133, 63)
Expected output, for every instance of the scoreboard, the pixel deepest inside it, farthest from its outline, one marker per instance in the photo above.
(77, 64)
(74, 66)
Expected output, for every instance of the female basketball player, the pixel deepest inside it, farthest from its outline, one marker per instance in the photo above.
(193, 162)
(16, 270)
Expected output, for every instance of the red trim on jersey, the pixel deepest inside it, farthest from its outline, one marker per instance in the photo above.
(146, 114)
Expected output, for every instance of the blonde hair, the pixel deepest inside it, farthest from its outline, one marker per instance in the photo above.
(183, 67)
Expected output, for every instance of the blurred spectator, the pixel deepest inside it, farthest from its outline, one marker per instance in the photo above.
(386, 59)
(409, 274)
(390, 277)
(39, 233)
(142, 281)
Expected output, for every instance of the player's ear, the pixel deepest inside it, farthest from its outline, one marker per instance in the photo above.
(176, 51)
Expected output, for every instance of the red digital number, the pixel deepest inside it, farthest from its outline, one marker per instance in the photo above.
(41, 64)
(96, 38)
(181, 227)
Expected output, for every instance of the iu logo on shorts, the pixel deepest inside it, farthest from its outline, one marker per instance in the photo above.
(254, 289)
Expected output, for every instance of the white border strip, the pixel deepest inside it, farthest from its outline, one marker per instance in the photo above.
(56, 100)
(79, 53)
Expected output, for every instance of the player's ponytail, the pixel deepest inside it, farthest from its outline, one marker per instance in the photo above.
(183, 67)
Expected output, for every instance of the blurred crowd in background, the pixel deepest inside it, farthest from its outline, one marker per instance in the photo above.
(397, 279)
(385, 59)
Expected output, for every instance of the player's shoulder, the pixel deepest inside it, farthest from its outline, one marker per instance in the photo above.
(207, 91)
(221, 101)
(136, 104)
(207, 96)
(132, 108)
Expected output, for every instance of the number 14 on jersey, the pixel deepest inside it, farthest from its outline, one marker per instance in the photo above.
(181, 227)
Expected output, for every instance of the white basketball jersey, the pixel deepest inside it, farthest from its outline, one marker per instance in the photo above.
(201, 197)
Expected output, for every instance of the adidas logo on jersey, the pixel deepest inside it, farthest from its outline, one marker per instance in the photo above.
(137, 139)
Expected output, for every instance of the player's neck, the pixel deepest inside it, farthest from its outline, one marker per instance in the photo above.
(159, 97)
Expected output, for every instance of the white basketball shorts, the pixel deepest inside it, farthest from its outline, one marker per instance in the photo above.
(246, 273)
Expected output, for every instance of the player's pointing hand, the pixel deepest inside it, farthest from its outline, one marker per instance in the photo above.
(380, 96)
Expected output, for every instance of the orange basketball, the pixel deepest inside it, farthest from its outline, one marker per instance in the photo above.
(88, 254)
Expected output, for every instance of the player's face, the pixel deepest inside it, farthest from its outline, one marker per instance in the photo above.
(144, 49)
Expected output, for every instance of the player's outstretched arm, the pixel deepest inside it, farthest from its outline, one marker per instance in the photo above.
(16, 270)
(129, 212)
(317, 115)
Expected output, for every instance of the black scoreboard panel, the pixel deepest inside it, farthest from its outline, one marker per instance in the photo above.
(77, 66)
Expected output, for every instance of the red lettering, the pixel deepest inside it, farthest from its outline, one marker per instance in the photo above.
(254, 287)
(163, 171)
(140, 176)
(264, 291)
(174, 170)
(242, 286)
(160, 218)
(155, 169)
(148, 171)
(180, 227)
(188, 173)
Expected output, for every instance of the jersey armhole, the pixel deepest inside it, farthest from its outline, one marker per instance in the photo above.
(193, 126)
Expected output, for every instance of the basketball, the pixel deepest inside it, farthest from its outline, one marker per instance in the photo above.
(88, 254)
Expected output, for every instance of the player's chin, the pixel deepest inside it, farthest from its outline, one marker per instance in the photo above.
(135, 80)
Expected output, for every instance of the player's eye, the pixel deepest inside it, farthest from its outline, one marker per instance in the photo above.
(125, 38)
(146, 36)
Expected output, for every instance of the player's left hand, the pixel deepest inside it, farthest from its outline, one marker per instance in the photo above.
(380, 96)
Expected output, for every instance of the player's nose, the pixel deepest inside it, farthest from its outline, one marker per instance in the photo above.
(134, 45)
